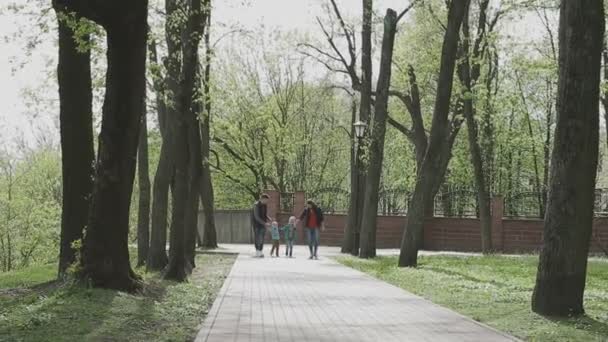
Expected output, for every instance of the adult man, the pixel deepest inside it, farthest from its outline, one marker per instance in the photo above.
(259, 221)
(312, 218)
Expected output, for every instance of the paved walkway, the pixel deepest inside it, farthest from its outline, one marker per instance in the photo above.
(280, 299)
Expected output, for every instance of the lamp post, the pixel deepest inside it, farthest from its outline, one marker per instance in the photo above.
(360, 128)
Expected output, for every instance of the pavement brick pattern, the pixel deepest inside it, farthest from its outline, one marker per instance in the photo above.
(280, 299)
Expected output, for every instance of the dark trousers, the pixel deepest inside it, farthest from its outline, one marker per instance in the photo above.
(259, 233)
(275, 247)
(289, 247)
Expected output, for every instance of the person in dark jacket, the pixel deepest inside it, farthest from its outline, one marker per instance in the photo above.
(260, 221)
(312, 218)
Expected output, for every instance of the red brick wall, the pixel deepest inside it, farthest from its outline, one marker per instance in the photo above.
(453, 234)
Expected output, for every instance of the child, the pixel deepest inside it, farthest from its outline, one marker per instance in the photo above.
(274, 234)
(289, 232)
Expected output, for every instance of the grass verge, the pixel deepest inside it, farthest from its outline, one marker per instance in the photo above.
(33, 308)
(496, 290)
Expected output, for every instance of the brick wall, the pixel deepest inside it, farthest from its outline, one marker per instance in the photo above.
(449, 234)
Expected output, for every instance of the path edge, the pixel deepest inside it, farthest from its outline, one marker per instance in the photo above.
(205, 327)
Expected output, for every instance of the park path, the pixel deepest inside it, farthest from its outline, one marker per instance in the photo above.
(280, 299)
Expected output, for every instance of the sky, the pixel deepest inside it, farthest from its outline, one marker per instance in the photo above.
(17, 119)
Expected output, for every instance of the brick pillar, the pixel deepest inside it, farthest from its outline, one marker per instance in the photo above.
(299, 202)
(498, 209)
(273, 203)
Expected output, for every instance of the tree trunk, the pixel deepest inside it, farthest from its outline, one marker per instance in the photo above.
(106, 251)
(427, 175)
(157, 254)
(353, 226)
(77, 151)
(350, 243)
(209, 238)
(376, 148)
(185, 148)
(562, 268)
(483, 197)
(547, 148)
(163, 179)
(143, 219)
(194, 176)
(605, 92)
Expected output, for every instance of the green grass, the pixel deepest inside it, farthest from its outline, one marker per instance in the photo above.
(28, 277)
(33, 308)
(496, 290)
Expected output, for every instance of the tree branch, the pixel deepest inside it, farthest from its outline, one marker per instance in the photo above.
(400, 127)
(407, 9)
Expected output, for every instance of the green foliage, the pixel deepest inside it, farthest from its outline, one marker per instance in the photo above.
(30, 209)
(165, 311)
(273, 128)
(496, 291)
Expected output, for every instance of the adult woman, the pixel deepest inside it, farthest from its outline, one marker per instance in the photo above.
(312, 218)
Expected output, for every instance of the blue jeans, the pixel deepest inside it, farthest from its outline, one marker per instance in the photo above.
(289, 247)
(313, 240)
(259, 234)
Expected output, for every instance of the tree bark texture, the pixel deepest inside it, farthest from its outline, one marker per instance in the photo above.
(440, 129)
(209, 238)
(77, 151)
(560, 281)
(143, 218)
(353, 226)
(186, 152)
(483, 197)
(106, 254)
(157, 254)
(377, 134)
(350, 243)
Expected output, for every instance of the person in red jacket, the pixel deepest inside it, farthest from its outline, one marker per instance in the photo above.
(312, 218)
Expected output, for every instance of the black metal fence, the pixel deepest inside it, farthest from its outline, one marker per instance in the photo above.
(393, 202)
(454, 202)
(287, 202)
(528, 204)
(457, 202)
(332, 200)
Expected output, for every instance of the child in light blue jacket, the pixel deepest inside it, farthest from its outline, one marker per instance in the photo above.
(289, 233)
(275, 236)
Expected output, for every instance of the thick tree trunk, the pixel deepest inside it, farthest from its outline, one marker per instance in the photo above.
(185, 148)
(106, 252)
(157, 253)
(143, 219)
(427, 174)
(605, 92)
(77, 151)
(350, 243)
(483, 197)
(178, 267)
(547, 148)
(209, 238)
(376, 148)
(194, 176)
(353, 226)
(560, 282)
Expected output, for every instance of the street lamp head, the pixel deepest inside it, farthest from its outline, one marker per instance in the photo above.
(360, 127)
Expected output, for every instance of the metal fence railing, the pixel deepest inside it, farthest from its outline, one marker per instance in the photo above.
(452, 202)
(287, 202)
